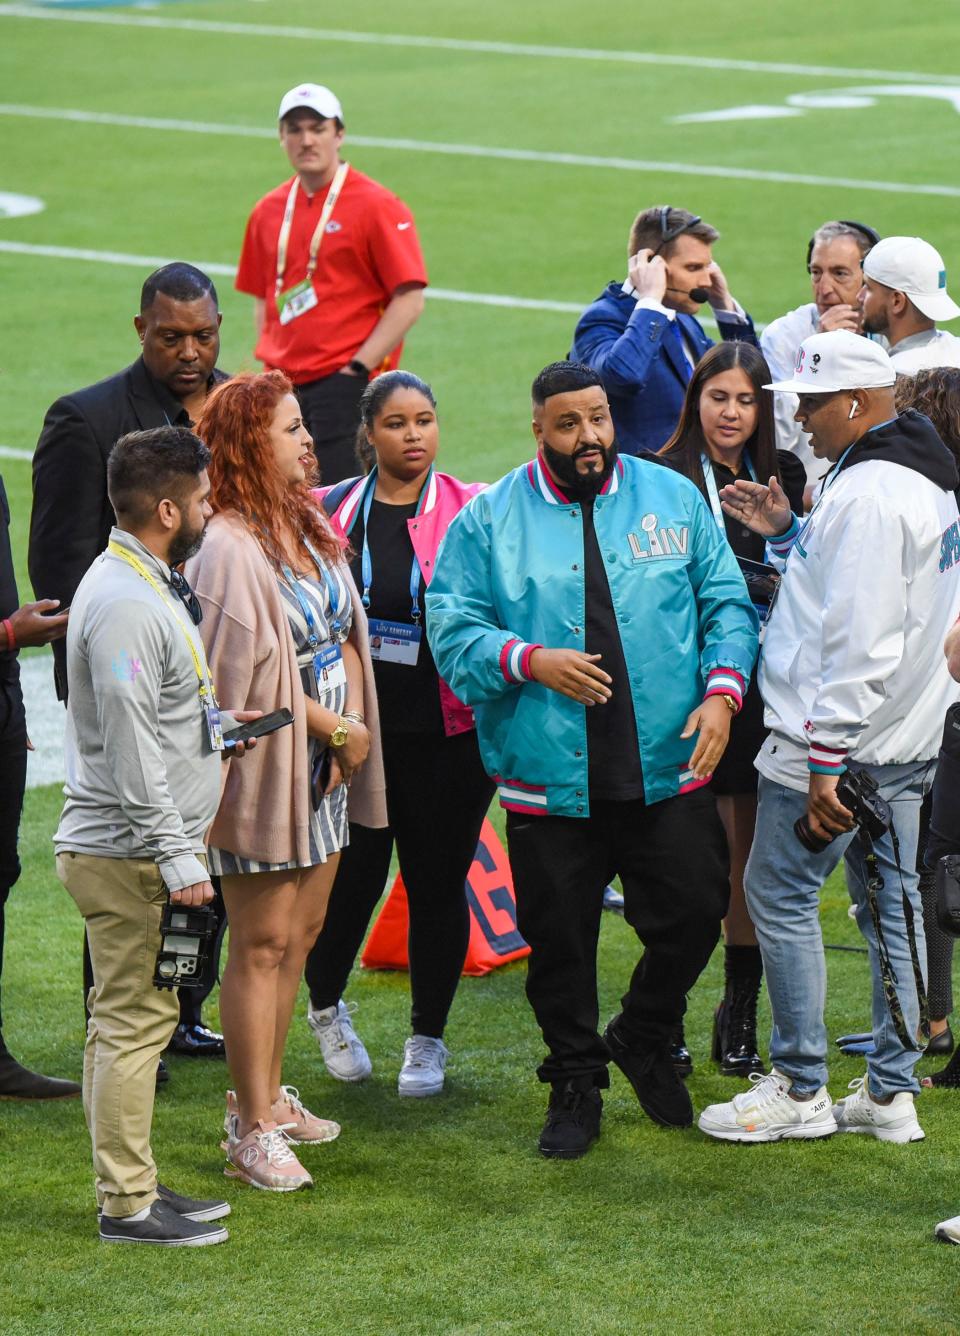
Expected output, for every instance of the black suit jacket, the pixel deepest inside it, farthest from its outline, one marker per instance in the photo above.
(72, 517)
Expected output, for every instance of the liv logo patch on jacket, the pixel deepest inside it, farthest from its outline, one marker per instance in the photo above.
(656, 541)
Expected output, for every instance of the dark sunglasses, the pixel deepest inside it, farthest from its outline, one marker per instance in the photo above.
(186, 595)
(668, 233)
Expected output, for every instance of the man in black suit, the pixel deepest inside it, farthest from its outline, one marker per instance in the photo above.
(179, 330)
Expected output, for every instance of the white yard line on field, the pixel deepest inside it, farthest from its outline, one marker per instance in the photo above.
(10, 452)
(700, 170)
(528, 51)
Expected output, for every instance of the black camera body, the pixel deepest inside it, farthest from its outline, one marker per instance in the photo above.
(185, 936)
(859, 793)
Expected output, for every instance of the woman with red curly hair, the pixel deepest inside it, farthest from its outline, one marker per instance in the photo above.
(283, 627)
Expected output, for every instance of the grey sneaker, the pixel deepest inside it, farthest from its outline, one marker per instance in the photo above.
(162, 1226)
(341, 1048)
(424, 1060)
(189, 1207)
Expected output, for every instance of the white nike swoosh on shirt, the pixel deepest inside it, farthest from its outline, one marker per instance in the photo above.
(402, 227)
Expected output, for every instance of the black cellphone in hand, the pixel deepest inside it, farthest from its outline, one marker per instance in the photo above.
(258, 728)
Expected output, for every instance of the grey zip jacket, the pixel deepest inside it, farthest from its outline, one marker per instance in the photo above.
(142, 779)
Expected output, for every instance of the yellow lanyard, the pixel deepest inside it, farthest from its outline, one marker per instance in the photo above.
(201, 667)
(333, 194)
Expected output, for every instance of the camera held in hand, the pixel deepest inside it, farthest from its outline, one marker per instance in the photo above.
(859, 793)
(185, 936)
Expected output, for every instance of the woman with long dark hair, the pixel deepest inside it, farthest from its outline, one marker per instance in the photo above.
(437, 790)
(284, 628)
(726, 430)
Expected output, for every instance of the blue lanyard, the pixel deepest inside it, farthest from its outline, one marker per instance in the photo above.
(711, 484)
(366, 561)
(336, 625)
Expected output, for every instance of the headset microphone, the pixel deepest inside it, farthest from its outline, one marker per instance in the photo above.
(698, 295)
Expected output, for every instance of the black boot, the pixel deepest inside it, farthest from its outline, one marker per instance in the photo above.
(573, 1120)
(679, 1053)
(17, 1082)
(735, 1020)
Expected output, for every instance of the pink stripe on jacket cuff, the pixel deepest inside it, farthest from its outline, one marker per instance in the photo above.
(725, 682)
(826, 760)
(515, 661)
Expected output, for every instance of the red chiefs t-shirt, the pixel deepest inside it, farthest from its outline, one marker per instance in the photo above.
(369, 248)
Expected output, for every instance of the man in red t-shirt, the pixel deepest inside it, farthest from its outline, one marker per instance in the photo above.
(333, 263)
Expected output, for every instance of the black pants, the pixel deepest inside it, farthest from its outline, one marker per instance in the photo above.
(437, 797)
(673, 864)
(331, 411)
(13, 782)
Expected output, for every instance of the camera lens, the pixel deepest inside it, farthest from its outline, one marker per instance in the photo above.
(167, 969)
(812, 843)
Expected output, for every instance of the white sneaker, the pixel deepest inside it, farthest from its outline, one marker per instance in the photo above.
(860, 1112)
(341, 1048)
(424, 1060)
(766, 1112)
(948, 1231)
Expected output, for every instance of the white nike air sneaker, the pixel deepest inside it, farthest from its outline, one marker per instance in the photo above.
(341, 1047)
(424, 1060)
(860, 1112)
(948, 1231)
(766, 1112)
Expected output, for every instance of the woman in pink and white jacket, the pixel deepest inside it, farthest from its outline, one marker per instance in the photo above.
(394, 519)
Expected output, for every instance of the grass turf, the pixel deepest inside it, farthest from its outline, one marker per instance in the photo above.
(440, 1217)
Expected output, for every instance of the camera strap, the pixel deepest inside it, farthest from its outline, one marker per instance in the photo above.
(887, 973)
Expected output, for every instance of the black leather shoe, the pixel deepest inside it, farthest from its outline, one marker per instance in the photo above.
(941, 1045)
(948, 1078)
(679, 1053)
(573, 1122)
(662, 1095)
(17, 1082)
(197, 1042)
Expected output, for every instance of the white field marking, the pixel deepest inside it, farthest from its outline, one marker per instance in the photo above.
(524, 50)
(10, 452)
(46, 721)
(149, 262)
(485, 151)
(843, 99)
(19, 206)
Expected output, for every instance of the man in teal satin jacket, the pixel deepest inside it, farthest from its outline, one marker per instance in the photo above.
(590, 610)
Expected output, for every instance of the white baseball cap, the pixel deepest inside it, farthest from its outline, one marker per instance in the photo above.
(838, 360)
(315, 97)
(913, 266)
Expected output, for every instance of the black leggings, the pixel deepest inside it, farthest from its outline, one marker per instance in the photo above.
(437, 797)
(13, 778)
(939, 943)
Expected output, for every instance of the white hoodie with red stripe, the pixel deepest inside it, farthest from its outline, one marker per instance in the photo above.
(852, 663)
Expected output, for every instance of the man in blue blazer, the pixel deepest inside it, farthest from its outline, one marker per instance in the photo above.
(642, 336)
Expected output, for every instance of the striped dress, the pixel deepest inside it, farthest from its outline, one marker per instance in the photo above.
(328, 824)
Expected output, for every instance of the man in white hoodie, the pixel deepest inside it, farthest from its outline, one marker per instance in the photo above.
(853, 677)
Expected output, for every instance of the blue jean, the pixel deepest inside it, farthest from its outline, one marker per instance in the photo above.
(783, 882)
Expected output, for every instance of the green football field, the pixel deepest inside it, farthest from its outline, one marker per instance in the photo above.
(524, 137)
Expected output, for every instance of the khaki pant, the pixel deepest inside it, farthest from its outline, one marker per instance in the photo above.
(130, 1025)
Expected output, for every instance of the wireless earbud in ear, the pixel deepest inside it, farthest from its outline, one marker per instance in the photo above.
(853, 408)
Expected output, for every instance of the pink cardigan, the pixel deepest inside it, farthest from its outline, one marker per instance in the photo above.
(265, 805)
(445, 497)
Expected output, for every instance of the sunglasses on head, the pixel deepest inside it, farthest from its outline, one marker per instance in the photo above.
(668, 233)
(181, 588)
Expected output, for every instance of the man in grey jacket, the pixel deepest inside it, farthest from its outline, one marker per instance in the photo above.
(143, 760)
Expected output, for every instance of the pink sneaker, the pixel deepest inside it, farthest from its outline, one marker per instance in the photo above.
(263, 1158)
(300, 1125)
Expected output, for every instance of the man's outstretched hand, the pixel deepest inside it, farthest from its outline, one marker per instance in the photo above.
(38, 623)
(765, 510)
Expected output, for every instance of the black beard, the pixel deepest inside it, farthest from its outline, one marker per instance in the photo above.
(185, 546)
(580, 486)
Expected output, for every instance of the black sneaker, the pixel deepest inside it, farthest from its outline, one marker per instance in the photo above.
(164, 1226)
(662, 1095)
(196, 1041)
(189, 1207)
(573, 1122)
